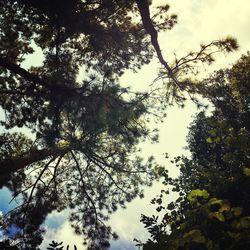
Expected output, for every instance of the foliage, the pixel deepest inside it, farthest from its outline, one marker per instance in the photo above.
(85, 131)
(83, 155)
(212, 211)
(7, 245)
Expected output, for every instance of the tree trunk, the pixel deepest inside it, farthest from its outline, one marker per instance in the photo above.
(11, 165)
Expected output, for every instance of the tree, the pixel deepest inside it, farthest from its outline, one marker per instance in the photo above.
(6, 245)
(85, 131)
(212, 211)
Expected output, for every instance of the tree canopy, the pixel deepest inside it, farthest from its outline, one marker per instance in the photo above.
(85, 132)
(212, 211)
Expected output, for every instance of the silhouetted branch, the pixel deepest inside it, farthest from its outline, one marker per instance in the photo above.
(143, 6)
(12, 164)
(34, 185)
(84, 188)
(16, 69)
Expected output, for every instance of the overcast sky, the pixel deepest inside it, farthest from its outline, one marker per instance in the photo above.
(199, 21)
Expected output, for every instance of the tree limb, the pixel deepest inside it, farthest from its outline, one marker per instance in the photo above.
(16, 69)
(150, 29)
(12, 164)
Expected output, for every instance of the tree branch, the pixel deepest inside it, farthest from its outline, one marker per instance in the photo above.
(84, 187)
(150, 29)
(14, 164)
(16, 69)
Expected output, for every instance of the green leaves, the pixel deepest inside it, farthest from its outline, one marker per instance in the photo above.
(209, 140)
(159, 170)
(171, 206)
(219, 209)
(14, 144)
(213, 210)
(229, 44)
(194, 235)
(243, 223)
(237, 211)
(246, 171)
(198, 195)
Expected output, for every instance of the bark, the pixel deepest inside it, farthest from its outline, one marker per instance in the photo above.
(16, 69)
(143, 7)
(11, 165)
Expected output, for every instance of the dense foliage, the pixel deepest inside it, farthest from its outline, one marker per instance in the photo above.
(212, 211)
(82, 154)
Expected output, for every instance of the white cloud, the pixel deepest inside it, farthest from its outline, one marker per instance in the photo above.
(64, 233)
(204, 21)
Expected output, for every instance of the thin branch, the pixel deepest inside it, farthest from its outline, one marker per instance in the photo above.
(84, 188)
(99, 159)
(109, 175)
(55, 169)
(34, 186)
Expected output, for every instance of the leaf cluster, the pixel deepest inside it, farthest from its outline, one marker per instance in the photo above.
(212, 211)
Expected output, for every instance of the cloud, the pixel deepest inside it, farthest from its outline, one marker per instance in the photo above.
(55, 219)
(204, 21)
(64, 233)
(123, 245)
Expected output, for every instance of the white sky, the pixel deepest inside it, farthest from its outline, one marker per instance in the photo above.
(199, 21)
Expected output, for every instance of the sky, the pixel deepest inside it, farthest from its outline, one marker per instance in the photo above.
(199, 21)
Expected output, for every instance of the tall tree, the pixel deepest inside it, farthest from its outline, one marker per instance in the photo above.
(85, 131)
(212, 211)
